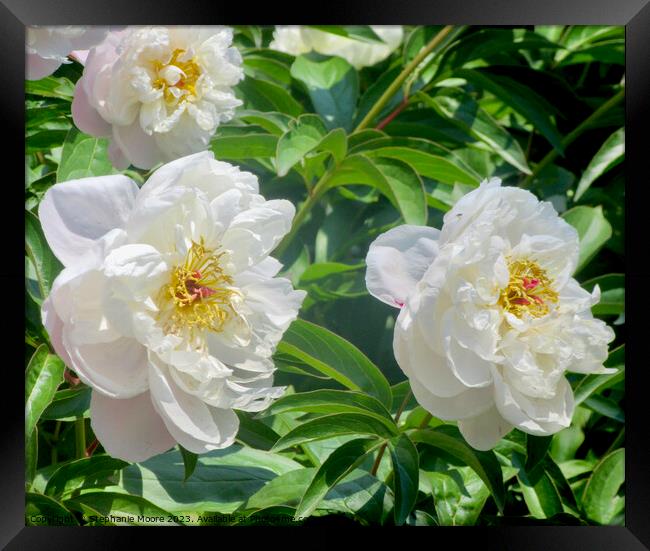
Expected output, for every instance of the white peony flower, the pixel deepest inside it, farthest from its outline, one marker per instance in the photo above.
(48, 47)
(158, 92)
(168, 306)
(490, 316)
(297, 39)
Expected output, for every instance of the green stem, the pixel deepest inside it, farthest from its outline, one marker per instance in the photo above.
(398, 414)
(397, 83)
(301, 214)
(571, 136)
(80, 437)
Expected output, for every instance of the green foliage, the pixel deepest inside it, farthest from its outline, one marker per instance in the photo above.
(540, 108)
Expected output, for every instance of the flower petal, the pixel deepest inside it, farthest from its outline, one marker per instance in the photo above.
(76, 213)
(118, 368)
(86, 117)
(129, 429)
(484, 431)
(195, 426)
(397, 260)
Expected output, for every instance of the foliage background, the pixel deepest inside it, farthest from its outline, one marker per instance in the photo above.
(359, 152)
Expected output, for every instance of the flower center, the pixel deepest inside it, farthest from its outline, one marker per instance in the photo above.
(199, 295)
(176, 78)
(528, 291)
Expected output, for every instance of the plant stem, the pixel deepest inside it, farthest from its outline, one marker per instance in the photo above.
(80, 437)
(397, 83)
(571, 136)
(403, 105)
(398, 414)
(303, 211)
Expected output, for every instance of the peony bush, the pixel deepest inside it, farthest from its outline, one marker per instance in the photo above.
(276, 274)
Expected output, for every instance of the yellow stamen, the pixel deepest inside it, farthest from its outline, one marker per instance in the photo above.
(529, 290)
(187, 82)
(199, 295)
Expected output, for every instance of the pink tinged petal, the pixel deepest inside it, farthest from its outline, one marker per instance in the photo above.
(397, 260)
(195, 425)
(76, 213)
(37, 67)
(86, 117)
(137, 146)
(129, 429)
(118, 369)
(484, 431)
(117, 157)
(80, 55)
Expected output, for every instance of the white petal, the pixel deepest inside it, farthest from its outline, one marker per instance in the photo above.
(255, 232)
(195, 426)
(129, 429)
(76, 213)
(54, 326)
(470, 403)
(397, 260)
(118, 368)
(535, 416)
(472, 370)
(137, 146)
(484, 431)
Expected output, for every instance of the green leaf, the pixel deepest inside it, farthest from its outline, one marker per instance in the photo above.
(459, 495)
(45, 263)
(262, 95)
(465, 113)
(611, 153)
(273, 122)
(42, 510)
(96, 471)
(246, 146)
(539, 491)
(485, 464)
(612, 294)
(605, 406)
(335, 357)
(69, 404)
(338, 465)
(222, 480)
(427, 165)
(394, 179)
(591, 384)
(337, 424)
(255, 433)
(405, 461)
(189, 461)
(358, 493)
(43, 375)
(125, 510)
(332, 85)
(600, 499)
(362, 33)
(593, 230)
(523, 99)
(308, 134)
(83, 156)
(330, 401)
(51, 87)
(31, 456)
(536, 449)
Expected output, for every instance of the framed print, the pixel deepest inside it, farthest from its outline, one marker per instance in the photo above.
(327, 274)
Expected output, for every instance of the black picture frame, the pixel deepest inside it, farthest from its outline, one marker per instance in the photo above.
(633, 14)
